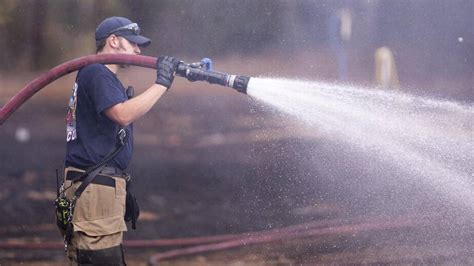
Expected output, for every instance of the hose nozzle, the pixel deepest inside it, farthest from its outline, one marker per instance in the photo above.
(203, 71)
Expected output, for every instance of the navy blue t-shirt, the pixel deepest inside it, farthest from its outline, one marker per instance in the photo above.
(91, 135)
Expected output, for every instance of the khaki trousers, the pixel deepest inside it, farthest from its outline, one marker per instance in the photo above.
(98, 216)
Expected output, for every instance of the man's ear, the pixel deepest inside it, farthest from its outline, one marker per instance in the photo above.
(113, 41)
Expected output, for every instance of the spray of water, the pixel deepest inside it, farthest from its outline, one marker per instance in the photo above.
(431, 141)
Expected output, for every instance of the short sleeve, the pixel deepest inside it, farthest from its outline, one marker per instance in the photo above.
(105, 92)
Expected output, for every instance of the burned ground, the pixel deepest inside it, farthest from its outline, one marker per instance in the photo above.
(210, 161)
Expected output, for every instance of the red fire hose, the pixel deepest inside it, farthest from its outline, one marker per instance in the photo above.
(308, 230)
(190, 71)
(40, 82)
(205, 244)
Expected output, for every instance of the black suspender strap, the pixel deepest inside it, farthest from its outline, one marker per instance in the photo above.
(92, 172)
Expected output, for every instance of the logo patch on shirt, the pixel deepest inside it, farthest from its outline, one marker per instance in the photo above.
(71, 133)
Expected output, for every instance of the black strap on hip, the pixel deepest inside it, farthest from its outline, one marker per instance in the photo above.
(100, 179)
(92, 172)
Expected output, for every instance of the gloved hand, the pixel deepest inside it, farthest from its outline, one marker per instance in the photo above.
(165, 68)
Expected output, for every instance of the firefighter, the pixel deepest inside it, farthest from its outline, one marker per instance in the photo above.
(98, 108)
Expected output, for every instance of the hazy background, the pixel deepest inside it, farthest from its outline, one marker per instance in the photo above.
(209, 160)
(432, 41)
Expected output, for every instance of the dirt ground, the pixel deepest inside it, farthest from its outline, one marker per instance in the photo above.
(211, 161)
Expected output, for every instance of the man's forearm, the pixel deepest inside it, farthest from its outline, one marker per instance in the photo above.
(129, 111)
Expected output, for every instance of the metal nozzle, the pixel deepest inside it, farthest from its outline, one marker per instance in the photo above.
(240, 83)
(201, 71)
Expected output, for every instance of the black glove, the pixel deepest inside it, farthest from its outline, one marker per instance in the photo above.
(165, 68)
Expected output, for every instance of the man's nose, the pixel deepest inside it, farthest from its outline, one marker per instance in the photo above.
(136, 48)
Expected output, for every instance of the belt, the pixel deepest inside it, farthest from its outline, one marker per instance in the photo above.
(108, 170)
(113, 171)
(99, 179)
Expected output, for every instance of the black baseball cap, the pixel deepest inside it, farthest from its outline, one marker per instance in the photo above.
(121, 27)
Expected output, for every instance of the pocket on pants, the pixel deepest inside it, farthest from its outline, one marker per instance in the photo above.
(100, 209)
(120, 187)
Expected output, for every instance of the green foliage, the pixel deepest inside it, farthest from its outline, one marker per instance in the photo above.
(38, 34)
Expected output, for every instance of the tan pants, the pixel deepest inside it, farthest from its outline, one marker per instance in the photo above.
(98, 216)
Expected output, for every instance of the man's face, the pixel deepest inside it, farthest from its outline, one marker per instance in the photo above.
(127, 47)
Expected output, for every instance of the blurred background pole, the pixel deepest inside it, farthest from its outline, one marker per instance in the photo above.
(340, 30)
(386, 74)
